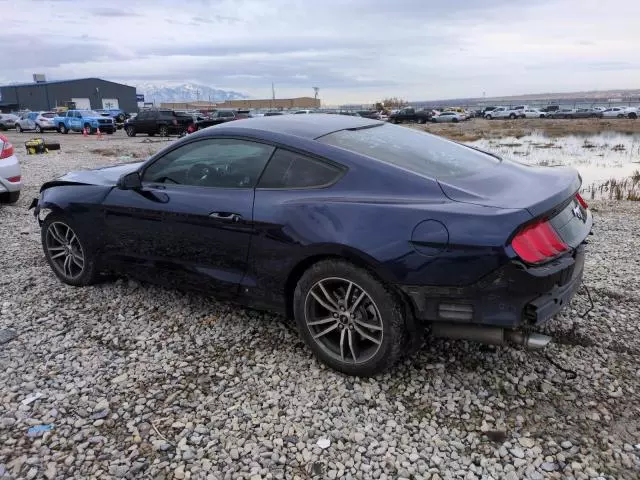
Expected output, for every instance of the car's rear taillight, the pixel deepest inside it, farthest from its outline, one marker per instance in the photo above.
(581, 201)
(538, 243)
(15, 179)
(6, 149)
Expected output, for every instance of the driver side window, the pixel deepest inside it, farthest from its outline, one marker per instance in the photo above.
(215, 163)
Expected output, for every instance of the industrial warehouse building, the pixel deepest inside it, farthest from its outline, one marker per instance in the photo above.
(86, 93)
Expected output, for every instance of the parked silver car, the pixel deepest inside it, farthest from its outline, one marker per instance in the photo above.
(454, 117)
(10, 179)
(38, 121)
(8, 120)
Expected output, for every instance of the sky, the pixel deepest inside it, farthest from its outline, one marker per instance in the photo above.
(353, 50)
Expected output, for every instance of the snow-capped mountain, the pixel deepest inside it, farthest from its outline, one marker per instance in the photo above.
(168, 92)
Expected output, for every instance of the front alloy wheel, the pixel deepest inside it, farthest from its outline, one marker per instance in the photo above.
(351, 320)
(64, 249)
(67, 254)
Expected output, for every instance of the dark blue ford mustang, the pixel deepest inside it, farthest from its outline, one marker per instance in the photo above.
(365, 232)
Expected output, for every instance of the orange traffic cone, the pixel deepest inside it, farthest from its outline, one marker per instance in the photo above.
(99, 133)
(84, 132)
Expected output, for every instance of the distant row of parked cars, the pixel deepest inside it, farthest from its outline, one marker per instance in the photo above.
(107, 121)
(554, 111)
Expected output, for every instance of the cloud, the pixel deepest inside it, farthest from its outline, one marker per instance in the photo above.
(113, 13)
(360, 50)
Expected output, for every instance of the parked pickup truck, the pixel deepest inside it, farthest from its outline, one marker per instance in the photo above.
(410, 115)
(504, 112)
(78, 120)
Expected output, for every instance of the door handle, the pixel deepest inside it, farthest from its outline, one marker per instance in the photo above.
(228, 216)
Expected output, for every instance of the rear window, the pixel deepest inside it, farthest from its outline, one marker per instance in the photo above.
(49, 115)
(419, 152)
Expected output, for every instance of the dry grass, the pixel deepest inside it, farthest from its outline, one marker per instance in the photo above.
(627, 189)
(479, 128)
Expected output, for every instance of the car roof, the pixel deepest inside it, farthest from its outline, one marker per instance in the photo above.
(309, 126)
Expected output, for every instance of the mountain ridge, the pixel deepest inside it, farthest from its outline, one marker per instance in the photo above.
(159, 92)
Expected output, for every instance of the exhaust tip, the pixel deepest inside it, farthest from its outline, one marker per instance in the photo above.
(537, 341)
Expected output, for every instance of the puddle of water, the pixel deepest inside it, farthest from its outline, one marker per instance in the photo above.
(598, 158)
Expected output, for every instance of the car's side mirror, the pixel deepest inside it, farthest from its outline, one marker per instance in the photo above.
(130, 181)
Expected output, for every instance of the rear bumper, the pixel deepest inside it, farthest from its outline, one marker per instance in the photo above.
(511, 297)
(9, 168)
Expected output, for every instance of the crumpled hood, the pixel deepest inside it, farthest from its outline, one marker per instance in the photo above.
(105, 176)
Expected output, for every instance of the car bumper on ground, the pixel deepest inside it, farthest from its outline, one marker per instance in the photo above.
(514, 296)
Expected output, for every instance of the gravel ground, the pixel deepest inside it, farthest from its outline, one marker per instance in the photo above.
(141, 382)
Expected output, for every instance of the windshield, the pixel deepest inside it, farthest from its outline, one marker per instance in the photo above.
(419, 152)
(90, 113)
(48, 115)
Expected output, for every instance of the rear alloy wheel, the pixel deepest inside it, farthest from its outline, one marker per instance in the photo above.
(512, 116)
(62, 128)
(350, 320)
(67, 254)
(18, 128)
(38, 128)
(163, 131)
(88, 128)
(131, 131)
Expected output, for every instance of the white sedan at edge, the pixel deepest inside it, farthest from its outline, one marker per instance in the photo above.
(10, 179)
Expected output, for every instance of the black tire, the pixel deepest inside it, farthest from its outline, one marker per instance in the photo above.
(38, 128)
(88, 128)
(489, 117)
(120, 118)
(620, 116)
(512, 116)
(131, 130)
(9, 197)
(383, 301)
(422, 120)
(62, 128)
(19, 128)
(633, 115)
(163, 131)
(542, 116)
(52, 145)
(455, 120)
(86, 275)
(109, 132)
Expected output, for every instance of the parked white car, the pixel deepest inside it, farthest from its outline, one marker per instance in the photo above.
(534, 113)
(615, 112)
(38, 121)
(10, 177)
(454, 117)
(502, 112)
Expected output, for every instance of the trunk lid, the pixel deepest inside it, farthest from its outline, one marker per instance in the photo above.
(548, 192)
(512, 185)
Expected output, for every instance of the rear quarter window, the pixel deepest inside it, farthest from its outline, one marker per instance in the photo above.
(418, 152)
(288, 169)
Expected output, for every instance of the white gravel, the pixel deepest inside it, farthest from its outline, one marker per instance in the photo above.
(141, 382)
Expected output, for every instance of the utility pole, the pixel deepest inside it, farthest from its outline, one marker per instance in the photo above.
(273, 95)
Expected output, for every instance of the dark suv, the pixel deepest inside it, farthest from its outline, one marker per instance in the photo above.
(161, 122)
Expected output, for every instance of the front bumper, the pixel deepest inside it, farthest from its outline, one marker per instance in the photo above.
(511, 297)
